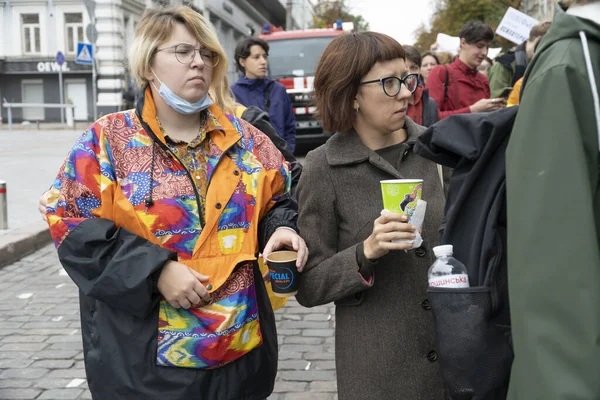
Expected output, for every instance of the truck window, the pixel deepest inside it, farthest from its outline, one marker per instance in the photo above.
(291, 57)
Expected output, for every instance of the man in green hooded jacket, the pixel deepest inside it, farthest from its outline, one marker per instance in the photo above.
(553, 203)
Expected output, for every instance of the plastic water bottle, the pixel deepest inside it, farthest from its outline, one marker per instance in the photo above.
(447, 271)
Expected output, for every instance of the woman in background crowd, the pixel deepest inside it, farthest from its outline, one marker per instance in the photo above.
(429, 60)
(423, 109)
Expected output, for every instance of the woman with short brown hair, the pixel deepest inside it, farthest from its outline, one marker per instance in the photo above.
(384, 329)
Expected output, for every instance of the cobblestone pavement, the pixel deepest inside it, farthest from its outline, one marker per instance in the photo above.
(40, 339)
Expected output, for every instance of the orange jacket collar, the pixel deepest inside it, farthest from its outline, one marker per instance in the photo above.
(224, 142)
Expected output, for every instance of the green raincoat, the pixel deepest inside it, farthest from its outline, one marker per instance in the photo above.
(553, 197)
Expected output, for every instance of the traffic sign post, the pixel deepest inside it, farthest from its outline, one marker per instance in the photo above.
(90, 5)
(94, 88)
(85, 55)
(60, 60)
(92, 35)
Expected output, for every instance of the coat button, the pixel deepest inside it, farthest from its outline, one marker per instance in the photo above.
(432, 356)
(218, 206)
(358, 296)
(421, 251)
(236, 172)
(425, 304)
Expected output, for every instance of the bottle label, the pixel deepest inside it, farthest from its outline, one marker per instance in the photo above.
(450, 281)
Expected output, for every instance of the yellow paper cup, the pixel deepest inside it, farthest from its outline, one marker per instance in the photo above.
(401, 195)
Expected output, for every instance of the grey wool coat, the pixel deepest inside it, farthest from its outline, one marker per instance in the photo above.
(385, 341)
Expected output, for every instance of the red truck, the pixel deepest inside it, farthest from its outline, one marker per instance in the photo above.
(293, 58)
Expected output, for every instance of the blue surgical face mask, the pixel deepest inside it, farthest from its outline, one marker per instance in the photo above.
(178, 104)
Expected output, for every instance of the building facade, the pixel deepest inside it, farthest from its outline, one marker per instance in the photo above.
(302, 13)
(28, 67)
(29, 71)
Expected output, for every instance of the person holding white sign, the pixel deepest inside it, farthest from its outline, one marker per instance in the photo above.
(459, 88)
(511, 66)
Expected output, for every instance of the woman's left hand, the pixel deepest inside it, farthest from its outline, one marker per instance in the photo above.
(42, 203)
(287, 238)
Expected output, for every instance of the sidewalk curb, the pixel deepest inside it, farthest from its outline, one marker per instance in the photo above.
(19, 242)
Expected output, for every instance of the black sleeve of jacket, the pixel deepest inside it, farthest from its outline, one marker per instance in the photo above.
(283, 214)
(260, 120)
(114, 265)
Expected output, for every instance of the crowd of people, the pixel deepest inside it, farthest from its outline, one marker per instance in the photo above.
(160, 213)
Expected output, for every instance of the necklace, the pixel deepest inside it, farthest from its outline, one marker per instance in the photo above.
(203, 120)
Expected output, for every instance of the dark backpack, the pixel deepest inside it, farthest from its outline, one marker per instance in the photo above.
(517, 56)
(473, 325)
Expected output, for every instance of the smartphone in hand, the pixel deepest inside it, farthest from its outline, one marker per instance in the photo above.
(506, 92)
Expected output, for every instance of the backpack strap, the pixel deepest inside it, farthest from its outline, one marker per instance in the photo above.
(268, 95)
(446, 84)
(520, 65)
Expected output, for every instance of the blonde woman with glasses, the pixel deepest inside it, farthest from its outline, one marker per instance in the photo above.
(158, 214)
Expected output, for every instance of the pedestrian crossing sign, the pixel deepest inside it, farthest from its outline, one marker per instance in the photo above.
(84, 54)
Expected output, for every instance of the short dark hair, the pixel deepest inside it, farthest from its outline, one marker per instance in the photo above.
(412, 54)
(476, 31)
(242, 50)
(344, 63)
(430, 54)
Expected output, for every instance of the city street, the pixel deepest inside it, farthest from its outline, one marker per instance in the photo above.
(40, 338)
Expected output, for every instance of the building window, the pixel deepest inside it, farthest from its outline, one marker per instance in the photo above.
(73, 31)
(31, 33)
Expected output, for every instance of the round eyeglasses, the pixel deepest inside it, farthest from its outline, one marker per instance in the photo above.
(185, 54)
(392, 85)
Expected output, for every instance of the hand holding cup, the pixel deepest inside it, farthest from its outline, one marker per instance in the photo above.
(391, 231)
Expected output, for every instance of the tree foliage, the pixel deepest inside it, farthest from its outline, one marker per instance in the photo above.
(451, 15)
(327, 12)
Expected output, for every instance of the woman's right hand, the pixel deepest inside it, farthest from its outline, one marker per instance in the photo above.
(485, 105)
(180, 285)
(388, 227)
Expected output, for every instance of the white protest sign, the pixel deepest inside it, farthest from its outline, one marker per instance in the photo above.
(493, 52)
(447, 43)
(515, 26)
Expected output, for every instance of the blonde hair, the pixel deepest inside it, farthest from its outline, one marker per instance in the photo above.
(445, 57)
(155, 28)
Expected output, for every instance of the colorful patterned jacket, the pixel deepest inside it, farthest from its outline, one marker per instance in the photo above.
(114, 248)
